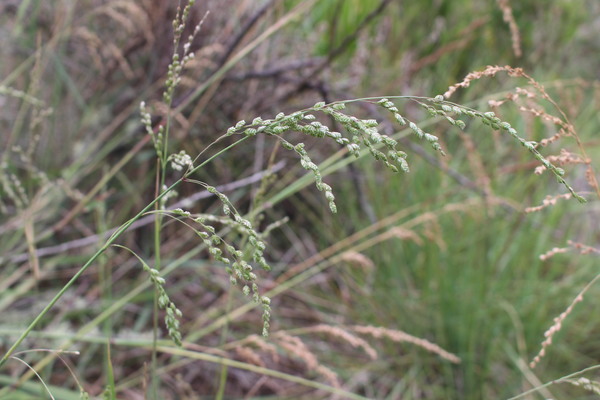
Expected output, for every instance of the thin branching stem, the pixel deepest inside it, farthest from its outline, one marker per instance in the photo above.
(102, 249)
(559, 380)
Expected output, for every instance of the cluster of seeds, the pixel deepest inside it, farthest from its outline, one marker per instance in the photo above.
(12, 188)
(174, 73)
(432, 139)
(363, 133)
(234, 259)
(181, 160)
(177, 64)
(158, 137)
(172, 313)
(441, 108)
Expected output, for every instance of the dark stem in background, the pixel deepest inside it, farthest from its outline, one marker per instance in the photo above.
(231, 46)
(305, 82)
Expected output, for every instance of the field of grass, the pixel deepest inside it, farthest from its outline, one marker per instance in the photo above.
(152, 251)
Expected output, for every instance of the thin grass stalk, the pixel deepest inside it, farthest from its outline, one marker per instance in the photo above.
(71, 282)
(104, 282)
(224, 332)
(81, 334)
(160, 172)
(559, 380)
(260, 370)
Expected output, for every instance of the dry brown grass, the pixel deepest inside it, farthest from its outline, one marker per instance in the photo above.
(507, 15)
(558, 322)
(120, 50)
(565, 128)
(403, 337)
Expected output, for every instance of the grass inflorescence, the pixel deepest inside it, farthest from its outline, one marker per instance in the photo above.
(398, 298)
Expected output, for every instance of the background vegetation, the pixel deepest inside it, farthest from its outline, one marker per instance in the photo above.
(445, 253)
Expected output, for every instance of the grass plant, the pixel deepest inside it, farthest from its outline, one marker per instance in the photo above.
(261, 276)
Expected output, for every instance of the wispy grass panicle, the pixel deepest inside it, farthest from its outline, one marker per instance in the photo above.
(175, 69)
(172, 313)
(180, 58)
(592, 386)
(563, 122)
(360, 134)
(236, 261)
(402, 337)
(297, 348)
(94, 194)
(26, 97)
(515, 35)
(440, 106)
(12, 188)
(432, 139)
(558, 323)
(158, 136)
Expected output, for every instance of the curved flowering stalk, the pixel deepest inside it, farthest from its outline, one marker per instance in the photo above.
(360, 134)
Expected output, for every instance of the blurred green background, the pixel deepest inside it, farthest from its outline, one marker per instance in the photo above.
(451, 256)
